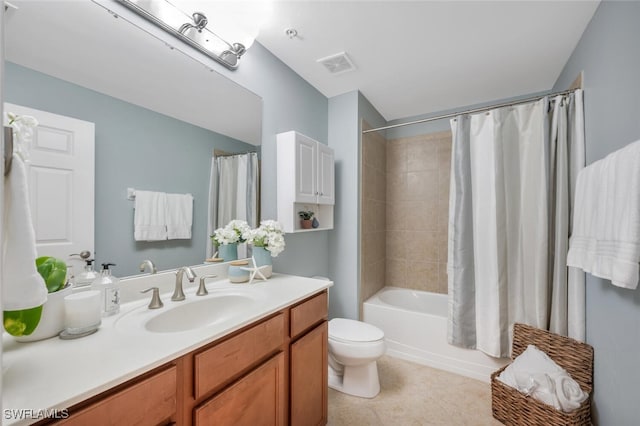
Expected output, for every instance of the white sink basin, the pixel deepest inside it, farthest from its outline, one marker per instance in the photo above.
(188, 315)
(199, 313)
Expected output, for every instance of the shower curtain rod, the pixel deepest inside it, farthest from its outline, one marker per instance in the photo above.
(472, 111)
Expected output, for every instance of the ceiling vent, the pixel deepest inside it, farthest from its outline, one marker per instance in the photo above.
(338, 63)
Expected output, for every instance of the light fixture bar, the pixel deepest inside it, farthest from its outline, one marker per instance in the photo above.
(193, 33)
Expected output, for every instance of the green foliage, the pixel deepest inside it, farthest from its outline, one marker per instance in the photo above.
(305, 214)
(54, 272)
(25, 321)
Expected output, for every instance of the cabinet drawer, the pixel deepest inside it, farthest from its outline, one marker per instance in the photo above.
(309, 313)
(148, 402)
(216, 366)
(256, 399)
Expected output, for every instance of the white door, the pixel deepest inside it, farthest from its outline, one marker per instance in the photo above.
(326, 185)
(306, 187)
(61, 183)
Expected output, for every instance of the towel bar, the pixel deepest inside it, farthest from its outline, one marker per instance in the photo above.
(131, 194)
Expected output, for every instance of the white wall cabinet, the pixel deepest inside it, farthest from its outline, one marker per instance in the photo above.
(306, 181)
(326, 172)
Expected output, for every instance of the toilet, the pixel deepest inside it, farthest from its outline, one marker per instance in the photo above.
(354, 347)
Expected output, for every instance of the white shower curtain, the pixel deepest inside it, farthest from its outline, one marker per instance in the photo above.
(512, 179)
(233, 191)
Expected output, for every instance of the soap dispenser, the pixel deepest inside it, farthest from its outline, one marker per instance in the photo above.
(87, 276)
(108, 285)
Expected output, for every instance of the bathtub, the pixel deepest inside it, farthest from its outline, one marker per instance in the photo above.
(415, 328)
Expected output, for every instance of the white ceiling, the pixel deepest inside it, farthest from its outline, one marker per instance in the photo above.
(412, 58)
(419, 57)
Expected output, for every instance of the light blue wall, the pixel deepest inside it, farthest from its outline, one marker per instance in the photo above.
(345, 115)
(289, 103)
(369, 113)
(137, 148)
(343, 241)
(610, 57)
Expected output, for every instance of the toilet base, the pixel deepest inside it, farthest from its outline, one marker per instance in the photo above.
(358, 380)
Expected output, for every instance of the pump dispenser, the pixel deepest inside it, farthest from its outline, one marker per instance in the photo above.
(109, 290)
(87, 276)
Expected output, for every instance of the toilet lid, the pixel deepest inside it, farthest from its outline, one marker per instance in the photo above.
(354, 331)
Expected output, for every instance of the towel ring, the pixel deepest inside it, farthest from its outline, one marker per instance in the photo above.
(8, 149)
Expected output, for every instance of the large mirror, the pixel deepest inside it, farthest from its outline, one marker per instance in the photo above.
(159, 114)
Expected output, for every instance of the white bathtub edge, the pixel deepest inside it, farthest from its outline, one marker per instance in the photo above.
(421, 336)
(430, 359)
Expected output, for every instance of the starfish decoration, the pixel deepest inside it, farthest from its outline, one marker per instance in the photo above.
(255, 270)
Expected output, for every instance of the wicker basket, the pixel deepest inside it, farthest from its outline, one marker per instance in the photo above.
(512, 407)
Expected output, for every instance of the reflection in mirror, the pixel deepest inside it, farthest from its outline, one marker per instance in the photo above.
(235, 189)
(158, 114)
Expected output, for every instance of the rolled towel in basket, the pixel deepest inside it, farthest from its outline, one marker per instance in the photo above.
(569, 393)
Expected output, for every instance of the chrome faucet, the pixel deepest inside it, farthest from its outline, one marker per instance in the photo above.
(155, 303)
(178, 294)
(150, 264)
(202, 290)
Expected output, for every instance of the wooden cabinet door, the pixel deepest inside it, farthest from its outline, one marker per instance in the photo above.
(258, 399)
(309, 378)
(326, 185)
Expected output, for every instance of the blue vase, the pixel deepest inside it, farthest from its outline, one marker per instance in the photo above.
(263, 258)
(228, 252)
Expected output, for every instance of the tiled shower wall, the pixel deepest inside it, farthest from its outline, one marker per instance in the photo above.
(417, 205)
(373, 205)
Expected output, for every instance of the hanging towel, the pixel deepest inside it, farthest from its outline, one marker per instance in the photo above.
(606, 226)
(150, 216)
(179, 216)
(22, 285)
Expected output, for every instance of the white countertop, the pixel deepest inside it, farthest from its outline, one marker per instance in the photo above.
(56, 374)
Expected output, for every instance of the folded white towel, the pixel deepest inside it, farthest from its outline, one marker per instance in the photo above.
(531, 362)
(582, 242)
(569, 393)
(149, 220)
(605, 239)
(179, 216)
(22, 285)
(534, 373)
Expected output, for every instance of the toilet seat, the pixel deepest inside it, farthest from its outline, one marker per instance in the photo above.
(351, 331)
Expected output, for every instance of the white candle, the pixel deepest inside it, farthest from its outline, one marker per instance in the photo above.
(82, 311)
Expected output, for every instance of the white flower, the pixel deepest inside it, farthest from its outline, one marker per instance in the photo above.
(23, 126)
(275, 244)
(269, 235)
(241, 227)
(235, 231)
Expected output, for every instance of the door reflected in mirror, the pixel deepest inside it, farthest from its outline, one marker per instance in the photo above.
(159, 115)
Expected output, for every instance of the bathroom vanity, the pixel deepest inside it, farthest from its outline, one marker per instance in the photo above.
(265, 365)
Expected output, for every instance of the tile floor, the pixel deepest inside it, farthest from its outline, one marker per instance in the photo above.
(413, 394)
